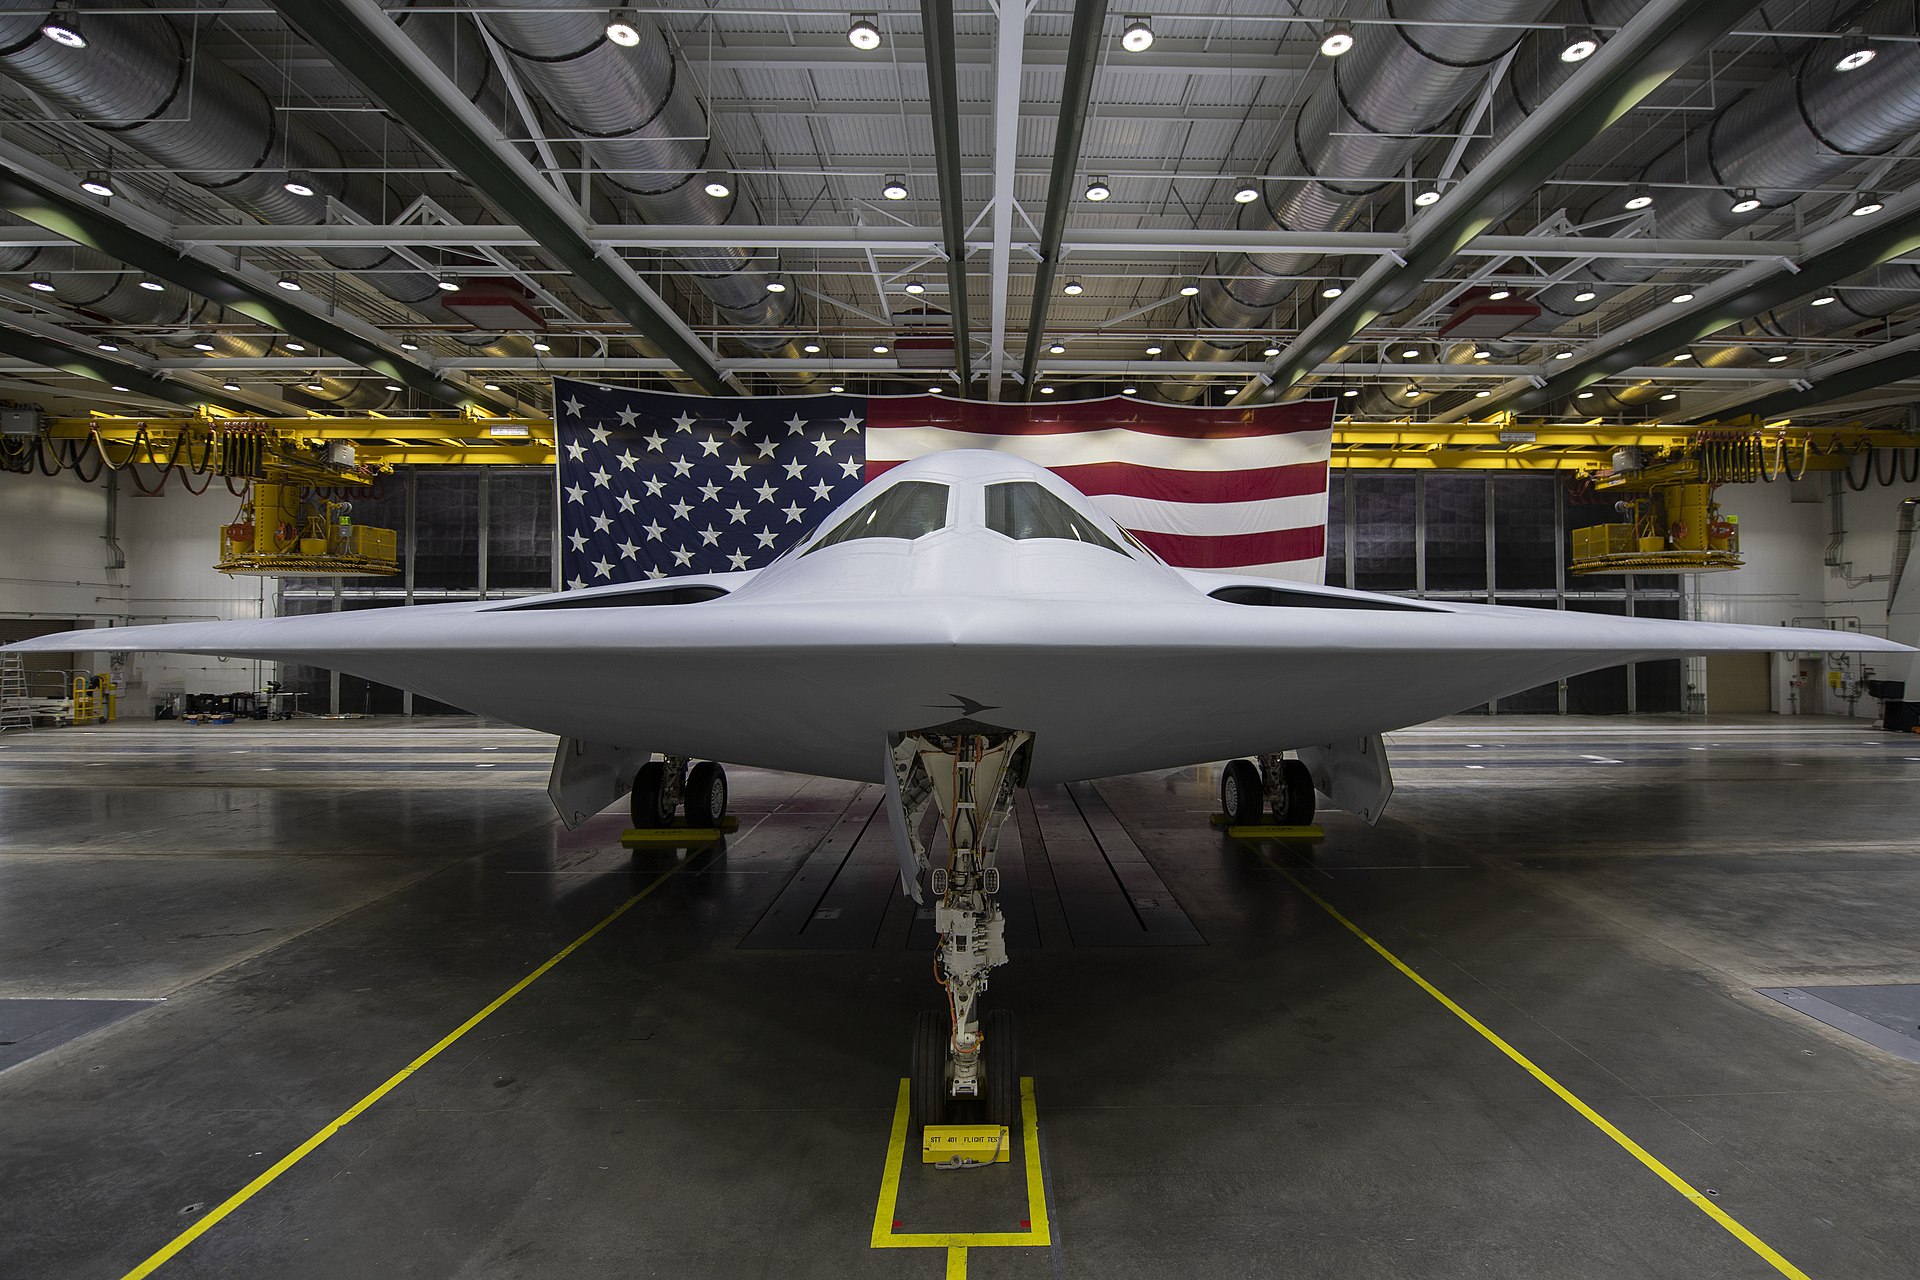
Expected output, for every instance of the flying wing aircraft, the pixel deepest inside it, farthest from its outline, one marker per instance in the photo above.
(965, 625)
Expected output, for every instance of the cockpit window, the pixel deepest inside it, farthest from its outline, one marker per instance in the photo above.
(1022, 509)
(909, 510)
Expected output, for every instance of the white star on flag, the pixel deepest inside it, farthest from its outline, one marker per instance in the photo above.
(573, 406)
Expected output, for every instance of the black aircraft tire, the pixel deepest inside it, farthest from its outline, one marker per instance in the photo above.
(927, 1074)
(1296, 791)
(1003, 1070)
(706, 794)
(648, 800)
(1241, 794)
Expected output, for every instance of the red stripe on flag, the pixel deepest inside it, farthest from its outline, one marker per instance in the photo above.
(1002, 418)
(1124, 479)
(1189, 551)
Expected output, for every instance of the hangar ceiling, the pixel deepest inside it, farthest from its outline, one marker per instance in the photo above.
(1433, 225)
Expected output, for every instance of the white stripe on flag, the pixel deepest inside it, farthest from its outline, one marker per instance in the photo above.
(1118, 444)
(1305, 511)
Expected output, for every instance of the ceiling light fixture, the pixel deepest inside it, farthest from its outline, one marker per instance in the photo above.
(1057, 349)
(1154, 350)
(40, 284)
(1073, 288)
(1332, 291)
(879, 348)
(203, 345)
(63, 30)
(622, 29)
(1683, 297)
(97, 183)
(836, 388)
(1138, 35)
(393, 386)
(1098, 189)
(1409, 353)
(1857, 52)
(864, 31)
(291, 345)
(1336, 38)
(312, 386)
(289, 284)
(408, 344)
(150, 284)
(491, 386)
(1500, 295)
(717, 186)
(107, 346)
(1638, 197)
(1188, 290)
(811, 348)
(915, 287)
(1581, 44)
(1046, 391)
(1564, 353)
(1129, 391)
(1427, 196)
(933, 391)
(1482, 353)
(542, 346)
(1866, 203)
(1245, 190)
(229, 386)
(776, 286)
(448, 286)
(1745, 200)
(117, 387)
(895, 187)
(1825, 298)
(299, 182)
(1411, 393)
(1349, 393)
(1584, 395)
(1586, 294)
(1270, 352)
(1682, 357)
(1670, 395)
(1481, 395)
(1779, 359)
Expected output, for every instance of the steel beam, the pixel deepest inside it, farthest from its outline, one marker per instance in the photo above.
(43, 355)
(1657, 42)
(1009, 46)
(366, 46)
(1089, 17)
(1840, 250)
(943, 98)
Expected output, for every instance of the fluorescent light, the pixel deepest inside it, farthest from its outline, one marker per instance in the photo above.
(1188, 290)
(1098, 190)
(1138, 37)
(622, 30)
(1245, 191)
(1073, 288)
(863, 32)
(895, 188)
(97, 183)
(1332, 291)
(1336, 39)
(508, 430)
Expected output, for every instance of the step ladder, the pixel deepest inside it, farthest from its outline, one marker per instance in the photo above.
(14, 699)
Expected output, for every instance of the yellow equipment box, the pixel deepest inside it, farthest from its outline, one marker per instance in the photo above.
(984, 1143)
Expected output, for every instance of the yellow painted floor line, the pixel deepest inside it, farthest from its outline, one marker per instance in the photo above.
(1598, 1121)
(1039, 1232)
(307, 1148)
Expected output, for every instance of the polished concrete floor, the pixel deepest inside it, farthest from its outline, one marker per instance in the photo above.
(214, 941)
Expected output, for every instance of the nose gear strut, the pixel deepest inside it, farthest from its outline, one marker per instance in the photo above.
(972, 775)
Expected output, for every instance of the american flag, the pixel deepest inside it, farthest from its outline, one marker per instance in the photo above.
(654, 485)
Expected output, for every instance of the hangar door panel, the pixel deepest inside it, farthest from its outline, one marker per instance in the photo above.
(1739, 682)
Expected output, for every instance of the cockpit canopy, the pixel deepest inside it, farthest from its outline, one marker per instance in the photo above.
(910, 509)
(1019, 509)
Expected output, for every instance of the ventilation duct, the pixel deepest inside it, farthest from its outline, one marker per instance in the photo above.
(1377, 106)
(634, 111)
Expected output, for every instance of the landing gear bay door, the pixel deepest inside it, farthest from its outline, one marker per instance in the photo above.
(1353, 774)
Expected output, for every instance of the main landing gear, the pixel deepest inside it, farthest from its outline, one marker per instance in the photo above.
(661, 786)
(965, 1068)
(1284, 785)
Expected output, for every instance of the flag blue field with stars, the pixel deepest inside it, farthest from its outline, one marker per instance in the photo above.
(654, 485)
